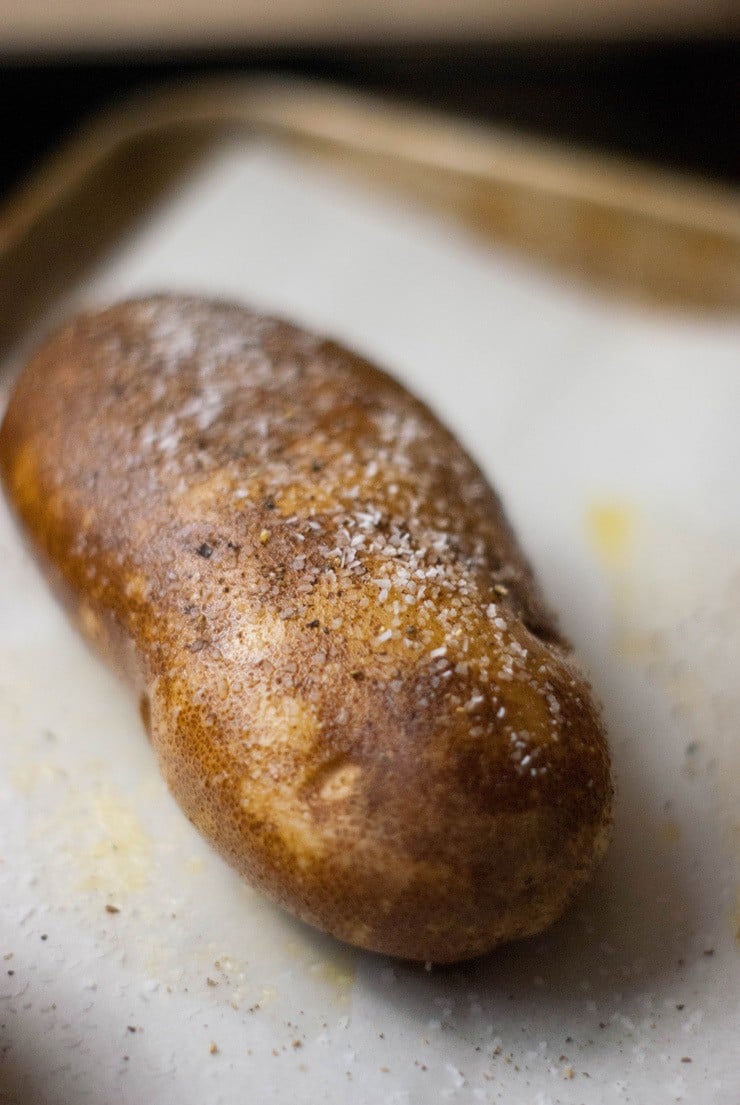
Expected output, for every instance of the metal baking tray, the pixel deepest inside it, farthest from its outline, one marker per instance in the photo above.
(575, 320)
(649, 234)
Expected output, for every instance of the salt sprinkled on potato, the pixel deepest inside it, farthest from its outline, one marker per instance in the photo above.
(350, 680)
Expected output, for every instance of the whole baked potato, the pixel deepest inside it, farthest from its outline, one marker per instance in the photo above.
(347, 672)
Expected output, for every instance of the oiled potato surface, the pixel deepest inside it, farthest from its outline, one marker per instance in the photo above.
(348, 675)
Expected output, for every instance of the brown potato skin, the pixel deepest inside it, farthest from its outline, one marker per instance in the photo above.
(219, 498)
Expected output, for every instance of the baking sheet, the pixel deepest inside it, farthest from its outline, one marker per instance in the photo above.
(138, 967)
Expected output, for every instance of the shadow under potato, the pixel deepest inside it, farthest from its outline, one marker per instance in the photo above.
(620, 950)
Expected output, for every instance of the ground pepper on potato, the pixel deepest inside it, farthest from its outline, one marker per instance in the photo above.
(345, 666)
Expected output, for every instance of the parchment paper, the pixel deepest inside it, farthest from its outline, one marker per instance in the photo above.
(137, 967)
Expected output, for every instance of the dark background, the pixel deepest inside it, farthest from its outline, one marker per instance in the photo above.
(670, 103)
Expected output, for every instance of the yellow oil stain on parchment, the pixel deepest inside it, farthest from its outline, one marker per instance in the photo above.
(337, 972)
(611, 527)
(118, 859)
(26, 778)
(334, 969)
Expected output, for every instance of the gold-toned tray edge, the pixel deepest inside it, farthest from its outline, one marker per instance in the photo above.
(551, 201)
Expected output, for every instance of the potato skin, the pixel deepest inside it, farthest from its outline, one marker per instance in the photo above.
(348, 675)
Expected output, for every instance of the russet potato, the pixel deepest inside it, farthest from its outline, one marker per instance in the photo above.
(344, 664)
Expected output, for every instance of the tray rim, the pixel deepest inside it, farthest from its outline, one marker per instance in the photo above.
(375, 124)
(317, 117)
